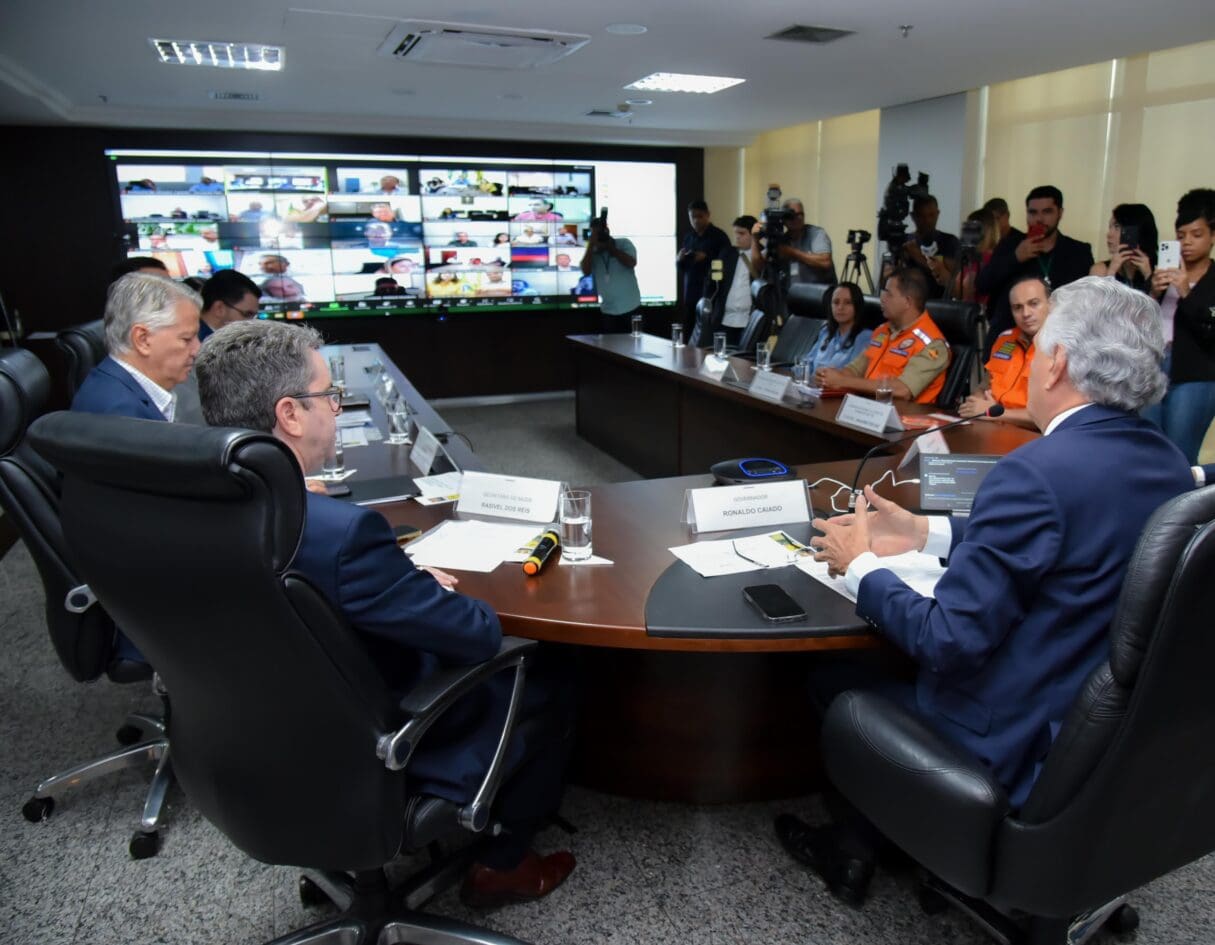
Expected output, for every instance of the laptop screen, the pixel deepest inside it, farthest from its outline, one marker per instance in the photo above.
(948, 482)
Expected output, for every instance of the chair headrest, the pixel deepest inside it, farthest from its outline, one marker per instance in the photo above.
(25, 386)
(1174, 533)
(807, 298)
(90, 334)
(957, 320)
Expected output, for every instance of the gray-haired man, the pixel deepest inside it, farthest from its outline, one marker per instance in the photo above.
(151, 334)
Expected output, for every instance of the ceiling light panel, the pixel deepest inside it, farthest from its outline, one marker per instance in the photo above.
(193, 52)
(679, 82)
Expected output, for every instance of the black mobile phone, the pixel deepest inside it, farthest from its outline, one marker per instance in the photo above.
(773, 603)
(1130, 237)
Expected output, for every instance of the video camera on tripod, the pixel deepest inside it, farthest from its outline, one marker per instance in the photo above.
(775, 218)
(892, 217)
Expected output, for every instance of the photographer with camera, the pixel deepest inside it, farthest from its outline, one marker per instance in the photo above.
(930, 250)
(700, 247)
(610, 262)
(804, 251)
(980, 234)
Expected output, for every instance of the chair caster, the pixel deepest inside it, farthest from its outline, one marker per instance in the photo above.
(144, 844)
(311, 895)
(128, 735)
(1123, 920)
(38, 809)
(931, 901)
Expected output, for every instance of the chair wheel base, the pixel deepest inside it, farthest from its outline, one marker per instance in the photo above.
(1123, 920)
(144, 844)
(311, 895)
(38, 809)
(128, 735)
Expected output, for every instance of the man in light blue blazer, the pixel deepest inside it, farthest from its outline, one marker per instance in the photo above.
(270, 376)
(151, 334)
(1021, 616)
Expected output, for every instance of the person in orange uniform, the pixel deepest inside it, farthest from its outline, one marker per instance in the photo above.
(909, 349)
(1011, 355)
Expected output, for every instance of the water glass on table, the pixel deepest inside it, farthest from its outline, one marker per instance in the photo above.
(719, 344)
(635, 326)
(574, 516)
(677, 336)
(398, 422)
(763, 356)
(337, 370)
(884, 392)
(334, 463)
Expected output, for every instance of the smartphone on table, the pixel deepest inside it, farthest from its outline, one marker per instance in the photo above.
(773, 603)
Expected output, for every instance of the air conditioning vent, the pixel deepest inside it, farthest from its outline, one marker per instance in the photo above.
(811, 34)
(234, 96)
(485, 47)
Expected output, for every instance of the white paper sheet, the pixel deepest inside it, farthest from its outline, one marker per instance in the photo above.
(469, 546)
(918, 571)
(772, 549)
(353, 436)
(445, 484)
(353, 418)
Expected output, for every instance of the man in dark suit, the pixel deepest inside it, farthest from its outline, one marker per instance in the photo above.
(699, 248)
(151, 334)
(1042, 251)
(270, 376)
(1021, 616)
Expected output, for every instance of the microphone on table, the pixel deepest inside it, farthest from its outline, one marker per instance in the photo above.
(548, 543)
(995, 410)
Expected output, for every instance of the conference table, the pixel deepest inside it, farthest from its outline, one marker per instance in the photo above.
(706, 720)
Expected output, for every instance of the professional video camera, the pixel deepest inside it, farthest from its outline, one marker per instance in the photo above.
(776, 222)
(857, 239)
(892, 218)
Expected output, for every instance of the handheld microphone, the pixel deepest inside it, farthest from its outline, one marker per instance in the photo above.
(995, 410)
(549, 541)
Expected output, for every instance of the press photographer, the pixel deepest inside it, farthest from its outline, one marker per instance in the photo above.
(930, 250)
(611, 261)
(799, 251)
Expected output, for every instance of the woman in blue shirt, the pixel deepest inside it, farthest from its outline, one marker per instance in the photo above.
(844, 336)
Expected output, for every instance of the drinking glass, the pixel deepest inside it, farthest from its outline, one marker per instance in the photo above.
(335, 456)
(677, 336)
(801, 374)
(575, 519)
(398, 422)
(884, 393)
(719, 344)
(635, 324)
(763, 356)
(337, 370)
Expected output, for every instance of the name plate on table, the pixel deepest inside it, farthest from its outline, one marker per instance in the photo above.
(931, 442)
(861, 413)
(531, 500)
(425, 449)
(769, 385)
(719, 508)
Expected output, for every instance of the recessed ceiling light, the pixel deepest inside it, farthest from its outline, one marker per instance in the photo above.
(678, 82)
(511, 96)
(626, 29)
(638, 101)
(193, 52)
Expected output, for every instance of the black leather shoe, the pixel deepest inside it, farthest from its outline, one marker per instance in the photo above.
(847, 877)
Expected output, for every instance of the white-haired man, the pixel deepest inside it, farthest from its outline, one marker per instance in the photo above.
(151, 334)
(1021, 616)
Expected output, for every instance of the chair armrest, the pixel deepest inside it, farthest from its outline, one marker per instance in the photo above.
(427, 701)
(935, 800)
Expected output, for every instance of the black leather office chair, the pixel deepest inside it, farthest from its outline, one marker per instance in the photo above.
(284, 733)
(83, 348)
(795, 339)
(809, 299)
(756, 331)
(705, 323)
(81, 631)
(959, 323)
(1126, 793)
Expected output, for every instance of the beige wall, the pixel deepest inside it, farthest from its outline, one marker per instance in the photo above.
(1128, 130)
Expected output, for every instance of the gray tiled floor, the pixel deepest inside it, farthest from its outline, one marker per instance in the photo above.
(648, 872)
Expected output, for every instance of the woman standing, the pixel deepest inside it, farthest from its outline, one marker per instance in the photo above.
(1187, 304)
(845, 335)
(1130, 266)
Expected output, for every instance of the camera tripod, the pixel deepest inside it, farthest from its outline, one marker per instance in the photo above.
(855, 266)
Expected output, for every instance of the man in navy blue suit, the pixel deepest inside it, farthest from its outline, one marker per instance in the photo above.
(271, 376)
(1021, 616)
(151, 334)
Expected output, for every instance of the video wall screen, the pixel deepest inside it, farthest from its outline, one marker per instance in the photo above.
(334, 235)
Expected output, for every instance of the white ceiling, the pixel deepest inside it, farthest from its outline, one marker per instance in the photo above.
(89, 62)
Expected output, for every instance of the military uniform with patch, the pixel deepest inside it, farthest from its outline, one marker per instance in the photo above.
(918, 356)
(1011, 356)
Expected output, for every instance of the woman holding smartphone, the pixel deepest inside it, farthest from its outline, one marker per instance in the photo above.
(1132, 240)
(1187, 304)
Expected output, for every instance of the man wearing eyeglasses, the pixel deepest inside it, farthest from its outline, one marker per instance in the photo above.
(228, 296)
(270, 376)
(806, 252)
